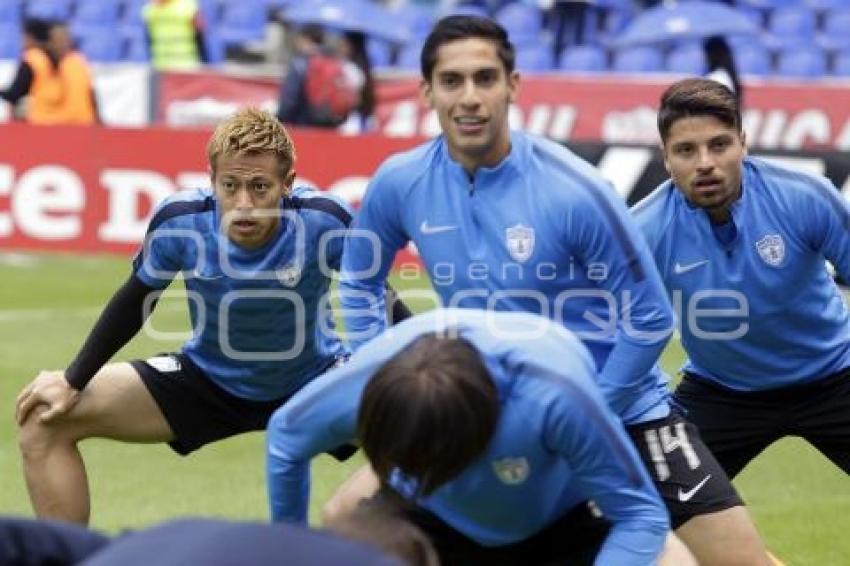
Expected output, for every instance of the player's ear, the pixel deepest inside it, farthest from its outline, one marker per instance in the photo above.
(288, 180)
(513, 86)
(743, 135)
(426, 94)
(663, 148)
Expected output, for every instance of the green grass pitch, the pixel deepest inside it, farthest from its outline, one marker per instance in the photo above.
(800, 501)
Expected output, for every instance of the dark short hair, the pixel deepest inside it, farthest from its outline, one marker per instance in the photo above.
(37, 29)
(454, 28)
(430, 411)
(697, 97)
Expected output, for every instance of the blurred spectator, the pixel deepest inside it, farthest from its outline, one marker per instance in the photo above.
(175, 32)
(358, 67)
(53, 77)
(317, 90)
(721, 65)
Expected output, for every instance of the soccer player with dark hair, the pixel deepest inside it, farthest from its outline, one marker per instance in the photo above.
(256, 280)
(508, 221)
(750, 240)
(490, 429)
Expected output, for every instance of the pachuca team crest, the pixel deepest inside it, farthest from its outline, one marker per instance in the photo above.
(771, 248)
(520, 242)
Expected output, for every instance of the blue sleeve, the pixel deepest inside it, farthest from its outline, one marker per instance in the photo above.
(336, 228)
(160, 258)
(827, 225)
(320, 417)
(607, 469)
(370, 248)
(608, 236)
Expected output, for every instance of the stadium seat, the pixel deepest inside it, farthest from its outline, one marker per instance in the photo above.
(584, 59)
(638, 60)
(102, 12)
(791, 25)
(211, 11)
(801, 62)
(768, 4)
(103, 46)
(48, 9)
(10, 41)
(841, 64)
(752, 59)
(823, 5)
(380, 52)
(214, 45)
(10, 12)
(836, 30)
(687, 60)
(136, 49)
(534, 58)
(523, 22)
(408, 57)
(241, 21)
(414, 18)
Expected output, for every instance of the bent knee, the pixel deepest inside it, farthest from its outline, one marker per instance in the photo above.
(36, 438)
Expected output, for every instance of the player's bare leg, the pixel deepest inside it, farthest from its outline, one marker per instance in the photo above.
(362, 484)
(675, 553)
(727, 538)
(115, 404)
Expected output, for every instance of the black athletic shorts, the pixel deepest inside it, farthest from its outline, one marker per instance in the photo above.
(199, 411)
(686, 474)
(738, 425)
(574, 539)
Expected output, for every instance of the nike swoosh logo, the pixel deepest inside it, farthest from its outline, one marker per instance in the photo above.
(687, 495)
(679, 268)
(426, 229)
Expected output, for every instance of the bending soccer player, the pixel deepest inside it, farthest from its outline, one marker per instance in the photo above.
(751, 238)
(491, 430)
(508, 221)
(262, 326)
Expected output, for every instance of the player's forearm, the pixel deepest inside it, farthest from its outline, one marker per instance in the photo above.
(122, 318)
(363, 310)
(625, 370)
(288, 484)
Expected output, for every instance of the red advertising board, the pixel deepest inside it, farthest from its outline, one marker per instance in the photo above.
(610, 109)
(93, 189)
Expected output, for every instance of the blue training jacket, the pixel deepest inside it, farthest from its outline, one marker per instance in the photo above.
(557, 443)
(541, 232)
(262, 324)
(761, 311)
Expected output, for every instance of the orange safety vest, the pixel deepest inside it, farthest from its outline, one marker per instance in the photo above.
(60, 95)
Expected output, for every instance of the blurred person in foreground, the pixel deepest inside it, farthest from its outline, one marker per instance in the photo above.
(488, 431)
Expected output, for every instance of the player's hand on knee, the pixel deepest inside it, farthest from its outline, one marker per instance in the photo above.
(49, 388)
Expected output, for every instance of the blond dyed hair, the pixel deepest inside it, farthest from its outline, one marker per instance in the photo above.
(251, 131)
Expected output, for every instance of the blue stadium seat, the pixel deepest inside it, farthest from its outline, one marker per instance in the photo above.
(584, 59)
(414, 18)
(836, 30)
(467, 10)
(241, 21)
(801, 62)
(638, 60)
(49, 9)
(408, 57)
(10, 12)
(102, 46)
(211, 12)
(10, 41)
(768, 4)
(136, 49)
(534, 57)
(380, 52)
(823, 5)
(792, 25)
(841, 64)
(687, 60)
(214, 45)
(100, 12)
(752, 59)
(523, 22)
